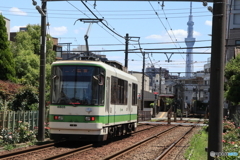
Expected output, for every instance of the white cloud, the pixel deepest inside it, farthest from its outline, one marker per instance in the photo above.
(179, 34)
(17, 11)
(208, 23)
(15, 28)
(57, 31)
(76, 31)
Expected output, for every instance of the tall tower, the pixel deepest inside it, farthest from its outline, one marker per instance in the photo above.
(189, 41)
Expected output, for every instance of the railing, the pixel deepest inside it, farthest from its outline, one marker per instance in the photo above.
(10, 119)
(144, 115)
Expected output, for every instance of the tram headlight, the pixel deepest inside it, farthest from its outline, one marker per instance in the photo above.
(58, 117)
(90, 118)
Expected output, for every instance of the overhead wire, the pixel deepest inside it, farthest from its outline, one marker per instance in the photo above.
(141, 10)
(97, 23)
(101, 21)
(163, 24)
(108, 23)
(132, 10)
(170, 26)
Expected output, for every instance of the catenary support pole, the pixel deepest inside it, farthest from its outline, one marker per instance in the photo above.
(126, 50)
(143, 79)
(41, 129)
(217, 78)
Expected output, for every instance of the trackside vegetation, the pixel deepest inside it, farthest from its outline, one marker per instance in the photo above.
(231, 141)
(197, 145)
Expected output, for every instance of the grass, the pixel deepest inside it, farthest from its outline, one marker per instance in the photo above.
(198, 143)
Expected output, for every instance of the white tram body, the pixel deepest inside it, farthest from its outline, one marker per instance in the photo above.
(91, 100)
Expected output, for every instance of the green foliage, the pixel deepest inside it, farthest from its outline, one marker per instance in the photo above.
(9, 147)
(196, 150)
(151, 105)
(26, 99)
(25, 134)
(21, 134)
(169, 101)
(231, 141)
(8, 136)
(7, 71)
(232, 85)
(27, 68)
(26, 50)
(34, 32)
(179, 112)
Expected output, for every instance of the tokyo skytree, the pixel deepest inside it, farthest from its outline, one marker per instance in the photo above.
(189, 41)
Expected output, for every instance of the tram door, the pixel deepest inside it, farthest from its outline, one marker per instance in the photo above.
(130, 100)
(107, 100)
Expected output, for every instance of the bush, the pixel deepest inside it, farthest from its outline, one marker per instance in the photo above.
(7, 136)
(25, 134)
(21, 134)
(228, 126)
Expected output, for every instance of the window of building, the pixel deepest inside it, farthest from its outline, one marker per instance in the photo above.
(237, 4)
(236, 19)
(237, 42)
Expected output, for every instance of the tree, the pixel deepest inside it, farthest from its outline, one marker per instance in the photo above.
(7, 93)
(7, 71)
(232, 85)
(26, 99)
(27, 52)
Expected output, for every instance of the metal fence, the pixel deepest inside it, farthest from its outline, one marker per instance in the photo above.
(10, 119)
(144, 115)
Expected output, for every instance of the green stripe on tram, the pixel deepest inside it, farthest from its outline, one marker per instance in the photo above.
(98, 119)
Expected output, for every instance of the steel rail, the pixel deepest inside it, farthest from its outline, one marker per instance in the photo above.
(26, 151)
(129, 149)
(70, 153)
(166, 151)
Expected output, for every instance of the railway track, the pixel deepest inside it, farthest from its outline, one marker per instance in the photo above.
(131, 148)
(27, 151)
(175, 144)
(67, 152)
(120, 154)
(46, 147)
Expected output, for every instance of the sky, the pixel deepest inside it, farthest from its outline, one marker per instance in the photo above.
(154, 24)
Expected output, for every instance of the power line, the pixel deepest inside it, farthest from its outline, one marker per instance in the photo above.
(108, 23)
(170, 27)
(133, 44)
(163, 25)
(111, 10)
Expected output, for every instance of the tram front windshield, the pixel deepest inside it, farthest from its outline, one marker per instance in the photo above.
(77, 85)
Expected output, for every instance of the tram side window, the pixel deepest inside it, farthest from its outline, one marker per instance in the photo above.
(114, 88)
(118, 91)
(134, 94)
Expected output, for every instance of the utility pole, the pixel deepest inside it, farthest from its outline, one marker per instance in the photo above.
(143, 75)
(126, 50)
(217, 78)
(160, 87)
(160, 80)
(41, 129)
